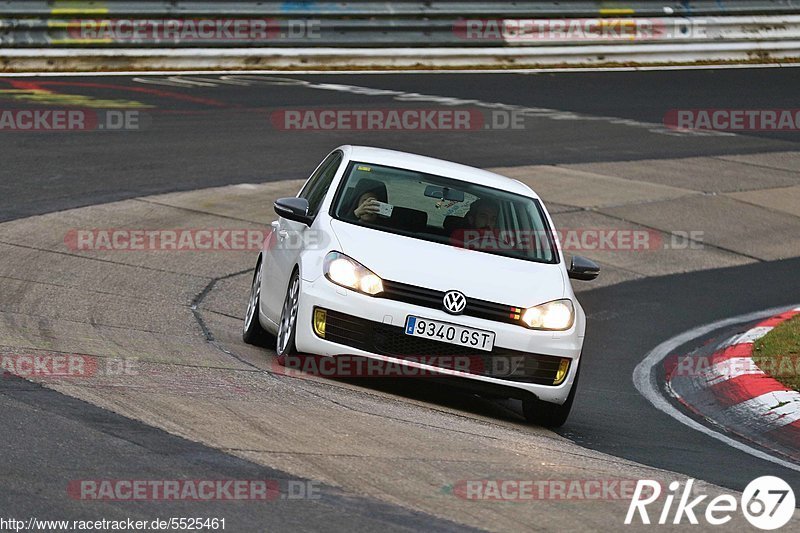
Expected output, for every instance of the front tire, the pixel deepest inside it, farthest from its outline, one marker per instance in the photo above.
(252, 331)
(287, 330)
(549, 415)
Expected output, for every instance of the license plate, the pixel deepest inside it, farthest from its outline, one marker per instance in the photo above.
(450, 333)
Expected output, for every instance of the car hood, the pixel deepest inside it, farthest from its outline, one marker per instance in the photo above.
(441, 267)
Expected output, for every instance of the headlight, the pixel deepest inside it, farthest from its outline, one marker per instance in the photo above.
(349, 273)
(557, 315)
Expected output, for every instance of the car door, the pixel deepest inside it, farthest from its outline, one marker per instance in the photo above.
(289, 238)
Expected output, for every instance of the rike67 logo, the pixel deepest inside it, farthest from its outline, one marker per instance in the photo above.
(767, 502)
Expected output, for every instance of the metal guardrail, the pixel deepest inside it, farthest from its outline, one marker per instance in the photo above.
(178, 23)
(367, 34)
(366, 8)
(395, 33)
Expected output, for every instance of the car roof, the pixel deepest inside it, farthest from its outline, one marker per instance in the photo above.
(438, 167)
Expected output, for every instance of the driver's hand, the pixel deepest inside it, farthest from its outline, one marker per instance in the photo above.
(368, 206)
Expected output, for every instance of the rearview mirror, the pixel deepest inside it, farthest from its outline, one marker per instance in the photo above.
(444, 193)
(293, 209)
(583, 269)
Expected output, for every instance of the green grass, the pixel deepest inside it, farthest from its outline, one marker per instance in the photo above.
(778, 353)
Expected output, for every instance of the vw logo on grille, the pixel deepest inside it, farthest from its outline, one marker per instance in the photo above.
(454, 302)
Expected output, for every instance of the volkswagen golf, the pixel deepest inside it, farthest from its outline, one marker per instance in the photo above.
(427, 264)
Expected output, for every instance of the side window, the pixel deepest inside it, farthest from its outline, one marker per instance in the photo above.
(320, 182)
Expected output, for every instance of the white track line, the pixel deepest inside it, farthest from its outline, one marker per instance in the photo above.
(401, 71)
(644, 379)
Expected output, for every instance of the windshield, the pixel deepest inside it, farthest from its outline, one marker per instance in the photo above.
(444, 210)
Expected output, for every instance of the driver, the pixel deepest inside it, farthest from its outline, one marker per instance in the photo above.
(366, 196)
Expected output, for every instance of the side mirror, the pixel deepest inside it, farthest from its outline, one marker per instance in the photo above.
(293, 209)
(583, 269)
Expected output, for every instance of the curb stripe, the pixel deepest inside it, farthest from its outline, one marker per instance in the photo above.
(732, 391)
(748, 337)
(648, 381)
(745, 388)
(735, 351)
(776, 409)
(777, 319)
(729, 369)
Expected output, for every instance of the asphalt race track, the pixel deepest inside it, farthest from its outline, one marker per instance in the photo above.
(209, 136)
(203, 131)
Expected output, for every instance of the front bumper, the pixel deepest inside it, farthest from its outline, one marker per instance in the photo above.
(539, 349)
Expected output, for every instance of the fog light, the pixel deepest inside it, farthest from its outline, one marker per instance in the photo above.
(562, 371)
(320, 315)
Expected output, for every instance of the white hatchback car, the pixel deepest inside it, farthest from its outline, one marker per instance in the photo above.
(419, 262)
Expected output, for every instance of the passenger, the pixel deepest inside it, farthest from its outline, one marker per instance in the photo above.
(483, 214)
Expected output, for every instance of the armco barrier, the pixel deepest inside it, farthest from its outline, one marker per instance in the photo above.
(432, 8)
(457, 34)
(227, 31)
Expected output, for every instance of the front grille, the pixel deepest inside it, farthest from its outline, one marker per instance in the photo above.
(384, 339)
(421, 296)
